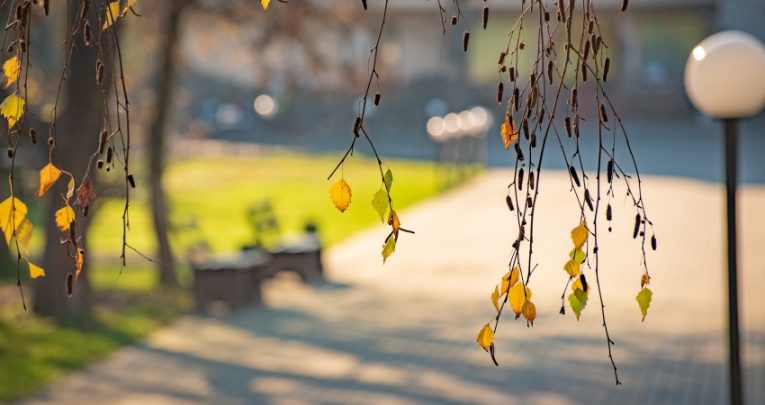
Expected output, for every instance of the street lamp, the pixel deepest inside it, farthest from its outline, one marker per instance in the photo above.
(725, 79)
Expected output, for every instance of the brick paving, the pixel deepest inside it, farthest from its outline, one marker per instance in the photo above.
(404, 333)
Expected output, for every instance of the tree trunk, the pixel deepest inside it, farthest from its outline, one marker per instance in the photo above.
(78, 126)
(169, 12)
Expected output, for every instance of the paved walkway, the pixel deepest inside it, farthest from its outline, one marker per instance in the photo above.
(405, 333)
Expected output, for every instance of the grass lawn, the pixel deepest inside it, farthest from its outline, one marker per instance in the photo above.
(209, 198)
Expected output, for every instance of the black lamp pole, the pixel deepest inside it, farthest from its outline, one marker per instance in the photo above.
(731, 132)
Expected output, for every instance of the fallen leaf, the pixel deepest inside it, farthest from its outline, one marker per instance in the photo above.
(572, 268)
(35, 270)
(579, 235)
(644, 300)
(49, 175)
(389, 247)
(485, 337)
(508, 133)
(341, 195)
(12, 108)
(11, 70)
(517, 296)
(529, 311)
(64, 218)
(12, 214)
(380, 203)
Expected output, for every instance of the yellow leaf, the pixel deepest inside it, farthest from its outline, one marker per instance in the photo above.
(509, 279)
(508, 133)
(572, 268)
(380, 203)
(48, 177)
(24, 235)
(518, 296)
(78, 261)
(12, 214)
(128, 4)
(389, 247)
(577, 255)
(265, 3)
(579, 284)
(495, 298)
(70, 188)
(644, 300)
(35, 270)
(12, 108)
(485, 337)
(394, 221)
(11, 70)
(645, 279)
(341, 195)
(111, 14)
(579, 235)
(529, 312)
(64, 218)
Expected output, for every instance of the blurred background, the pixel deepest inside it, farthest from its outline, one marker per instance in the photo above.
(234, 108)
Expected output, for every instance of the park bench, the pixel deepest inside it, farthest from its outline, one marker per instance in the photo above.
(234, 280)
(301, 254)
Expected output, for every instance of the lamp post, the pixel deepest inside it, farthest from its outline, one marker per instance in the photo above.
(725, 79)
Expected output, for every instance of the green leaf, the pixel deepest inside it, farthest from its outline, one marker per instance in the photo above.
(578, 300)
(380, 203)
(388, 180)
(577, 255)
(389, 247)
(644, 300)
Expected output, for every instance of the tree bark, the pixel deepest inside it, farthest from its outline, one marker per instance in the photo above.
(78, 126)
(164, 84)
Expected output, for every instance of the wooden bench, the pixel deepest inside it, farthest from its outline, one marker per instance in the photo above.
(234, 280)
(301, 255)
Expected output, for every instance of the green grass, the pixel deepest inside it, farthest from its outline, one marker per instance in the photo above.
(214, 194)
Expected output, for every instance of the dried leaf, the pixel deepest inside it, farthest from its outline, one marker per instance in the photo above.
(572, 268)
(394, 221)
(85, 195)
(485, 337)
(508, 133)
(70, 188)
(64, 218)
(12, 108)
(35, 270)
(644, 300)
(380, 203)
(529, 312)
(579, 235)
(12, 214)
(341, 195)
(11, 70)
(389, 247)
(645, 279)
(517, 296)
(79, 260)
(128, 5)
(49, 175)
